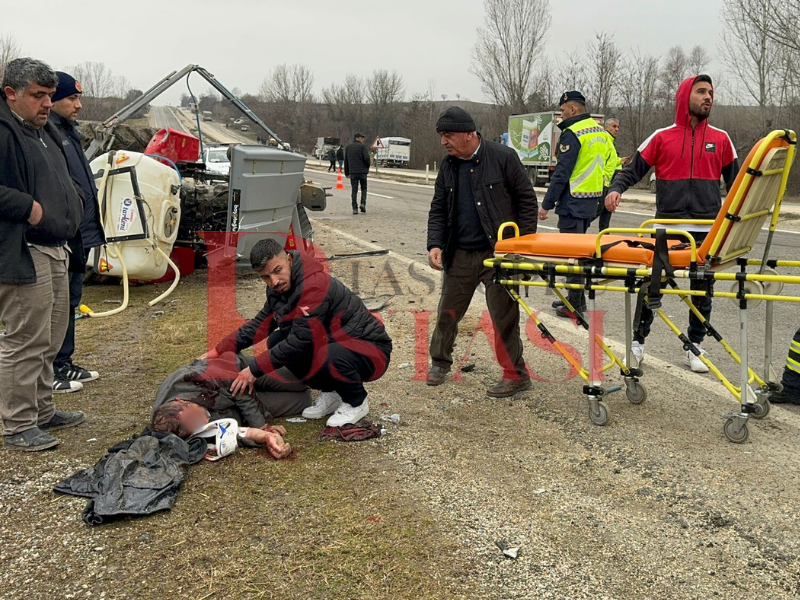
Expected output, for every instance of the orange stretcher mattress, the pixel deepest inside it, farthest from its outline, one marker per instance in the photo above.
(582, 246)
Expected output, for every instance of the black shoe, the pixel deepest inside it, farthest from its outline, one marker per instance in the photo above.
(436, 375)
(355, 211)
(508, 387)
(557, 303)
(783, 397)
(565, 313)
(73, 372)
(363, 208)
(30, 440)
(66, 386)
(63, 419)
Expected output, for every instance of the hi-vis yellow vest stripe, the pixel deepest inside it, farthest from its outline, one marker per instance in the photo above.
(586, 180)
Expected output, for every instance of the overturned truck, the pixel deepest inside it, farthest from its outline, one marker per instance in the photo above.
(145, 211)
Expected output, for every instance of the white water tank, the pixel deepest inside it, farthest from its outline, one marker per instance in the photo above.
(140, 210)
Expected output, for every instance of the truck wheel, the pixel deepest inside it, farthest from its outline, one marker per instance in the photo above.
(534, 177)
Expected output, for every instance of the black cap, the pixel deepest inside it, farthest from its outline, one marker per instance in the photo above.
(455, 119)
(572, 95)
(358, 135)
(67, 86)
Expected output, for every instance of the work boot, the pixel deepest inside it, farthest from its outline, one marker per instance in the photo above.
(508, 387)
(30, 440)
(63, 419)
(557, 303)
(347, 413)
(436, 375)
(325, 404)
(576, 300)
(784, 397)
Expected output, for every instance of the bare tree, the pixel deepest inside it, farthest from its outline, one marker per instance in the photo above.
(751, 54)
(288, 83)
(604, 61)
(508, 48)
(96, 78)
(345, 104)
(698, 60)
(384, 91)
(674, 70)
(573, 72)
(9, 50)
(638, 92)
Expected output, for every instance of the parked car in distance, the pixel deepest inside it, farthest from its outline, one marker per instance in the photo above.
(216, 160)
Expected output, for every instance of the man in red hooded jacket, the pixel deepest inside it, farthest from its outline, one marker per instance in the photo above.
(689, 158)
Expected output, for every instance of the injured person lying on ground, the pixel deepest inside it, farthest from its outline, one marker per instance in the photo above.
(199, 393)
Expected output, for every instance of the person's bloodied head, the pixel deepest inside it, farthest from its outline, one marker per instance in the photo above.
(273, 264)
(179, 417)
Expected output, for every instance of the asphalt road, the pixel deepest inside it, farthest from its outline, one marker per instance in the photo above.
(168, 116)
(396, 219)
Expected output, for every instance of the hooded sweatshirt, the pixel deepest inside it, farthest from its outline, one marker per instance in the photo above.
(688, 162)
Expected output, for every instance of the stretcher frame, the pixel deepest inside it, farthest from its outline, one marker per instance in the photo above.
(756, 195)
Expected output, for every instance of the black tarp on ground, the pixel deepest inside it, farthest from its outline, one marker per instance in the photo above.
(138, 476)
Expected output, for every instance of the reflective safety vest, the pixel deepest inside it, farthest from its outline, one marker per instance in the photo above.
(613, 163)
(586, 180)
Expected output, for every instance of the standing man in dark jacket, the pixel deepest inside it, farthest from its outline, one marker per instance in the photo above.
(356, 167)
(577, 183)
(331, 156)
(70, 377)
(689, 158)
(40, 209)
(480, 185)
(340, 157)
(317, 328)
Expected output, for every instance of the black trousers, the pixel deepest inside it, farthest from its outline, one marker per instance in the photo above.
(64, 357)
(603, 213)
(465, 271)
(570, 224)
(696, 332)
(354, 181)
(341, 368)
(332, 166)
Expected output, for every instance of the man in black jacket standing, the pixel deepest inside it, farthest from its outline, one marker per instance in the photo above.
(315, 327)
(356, 167)
(40, 209)
(70, 377)
(481, 184)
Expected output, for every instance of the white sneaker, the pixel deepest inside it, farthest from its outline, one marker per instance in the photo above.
(694, 362)
(348, 414)
(637, 350)
(325, 404)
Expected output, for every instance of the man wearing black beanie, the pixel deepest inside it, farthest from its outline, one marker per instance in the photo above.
(70, 377)
(481, 184)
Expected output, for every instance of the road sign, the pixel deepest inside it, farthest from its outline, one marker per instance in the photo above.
(377, 144)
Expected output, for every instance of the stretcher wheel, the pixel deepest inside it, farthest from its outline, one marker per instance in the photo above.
(636, 393)
(601, 416)
(761, 408)
(737, 437)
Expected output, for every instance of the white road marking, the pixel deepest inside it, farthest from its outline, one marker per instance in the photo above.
(380, 195)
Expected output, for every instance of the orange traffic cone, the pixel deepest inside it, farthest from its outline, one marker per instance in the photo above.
(339, 180)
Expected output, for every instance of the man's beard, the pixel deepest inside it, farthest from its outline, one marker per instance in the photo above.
(699, 112)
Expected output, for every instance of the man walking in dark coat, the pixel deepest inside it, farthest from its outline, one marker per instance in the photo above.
(317, 328)
(481, 184)
(356, 167)
(40, 209)
(70, 377)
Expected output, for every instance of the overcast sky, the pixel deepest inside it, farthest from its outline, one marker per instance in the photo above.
(241, 40)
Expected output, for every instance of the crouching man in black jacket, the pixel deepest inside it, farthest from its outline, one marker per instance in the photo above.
(480, 186)
(318, 329)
